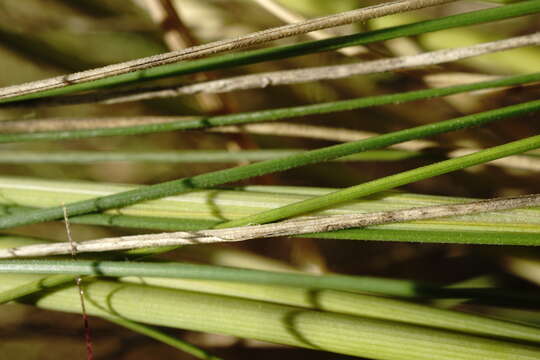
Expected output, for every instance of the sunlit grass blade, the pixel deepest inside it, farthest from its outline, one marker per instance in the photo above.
(327, 300)
(345, 334)
(228, 203)
(206, 208)
(51, 282)
(390, 182)
(355, 304)
(38, 285)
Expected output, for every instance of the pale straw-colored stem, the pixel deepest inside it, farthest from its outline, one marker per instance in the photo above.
(252, 39)
(289, 16)
(287, 77)
(264, 80)
(344, 135)
(285, 228)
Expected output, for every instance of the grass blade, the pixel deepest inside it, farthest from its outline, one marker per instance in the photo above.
(389, 182)
(282, 324)
(243, 172)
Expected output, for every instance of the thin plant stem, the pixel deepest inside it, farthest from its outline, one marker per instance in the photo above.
(389, 182)
(78, 283)
(159, 124)
(84, 123)
(162, 337)
(130, 67)
(287, 77)
(413, 148)
(287, 228)
(325, 154)
(200, 156)
(39, 89)
(289, 16)
(376, 285)
(45, 283)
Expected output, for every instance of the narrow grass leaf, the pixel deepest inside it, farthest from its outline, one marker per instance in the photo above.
(389, 182)
(325, 154)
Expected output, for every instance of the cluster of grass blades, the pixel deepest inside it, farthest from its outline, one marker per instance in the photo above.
(212, 155)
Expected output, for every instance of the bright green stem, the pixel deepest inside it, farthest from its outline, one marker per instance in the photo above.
(377, 285)
(392, 287)
(256, 56)
(163, 337)
(389, 182)
(269, 115)
(38, 285)
(325, 154)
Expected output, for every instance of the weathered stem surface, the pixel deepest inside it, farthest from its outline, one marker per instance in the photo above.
(284, 228)
(259, 37)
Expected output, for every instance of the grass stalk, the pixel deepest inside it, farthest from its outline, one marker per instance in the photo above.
(389, 182)
(325, 154)
(288, 228)
(32, 287)
(304, 75)
(355, 304)
(362, 284)
(163, 337)
(264, 115)
(340, 333)
(197, 156)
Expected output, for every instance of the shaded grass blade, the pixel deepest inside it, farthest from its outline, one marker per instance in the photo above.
(251, 57)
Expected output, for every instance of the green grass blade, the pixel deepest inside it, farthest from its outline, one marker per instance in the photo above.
(44, 283)
(51, 282)
(477, 237)
(205, 208)
(192, 271)
(485, 229)
(390, 182)
(377, 285)
(327, 300)
(354, 304)
(163, 337)
(325, 154)
(340, 333)
(269, 115)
